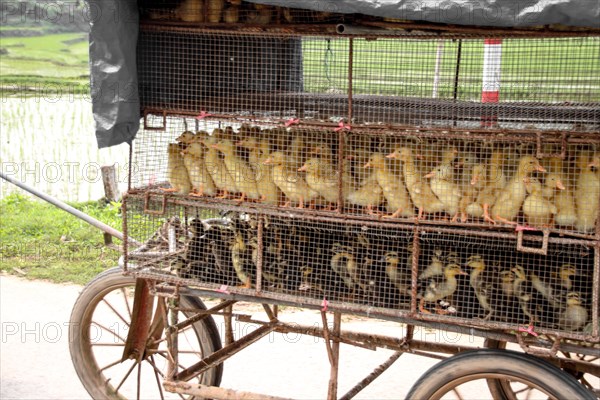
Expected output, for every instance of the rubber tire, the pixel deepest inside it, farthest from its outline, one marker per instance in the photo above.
(476, 364)
(497, 389)
(82, 354)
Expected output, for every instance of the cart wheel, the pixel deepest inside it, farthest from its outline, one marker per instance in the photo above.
(99, 322)
(461, 376)
(502, 389)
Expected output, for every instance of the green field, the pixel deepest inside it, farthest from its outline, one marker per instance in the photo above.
(32, 63)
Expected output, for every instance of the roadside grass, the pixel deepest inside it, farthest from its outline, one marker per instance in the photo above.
(40, 241)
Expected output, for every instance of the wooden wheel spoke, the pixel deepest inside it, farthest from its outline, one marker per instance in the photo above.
(118, 314)
(112, 364)
(156, 373)
(126, 302)
(139, 381)
(457, 393)
(108, 330)
(109, 344)
(126, 376)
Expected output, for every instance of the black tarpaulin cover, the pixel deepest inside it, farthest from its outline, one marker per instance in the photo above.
(115, 23)
(113, 70)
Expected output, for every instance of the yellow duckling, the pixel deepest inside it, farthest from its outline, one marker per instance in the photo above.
(538, 207)
(587, 194)
(259, 152)
(193, 159)
(323, 179)
(186, 137)
(369, 195)
(553, 287)
(295, 189)
(511, 198)
(216, 168)
(485, 194)
(396, 196)
(443, 186)
(239, 170)
(420, 192)
(564, 200)
(177, 174)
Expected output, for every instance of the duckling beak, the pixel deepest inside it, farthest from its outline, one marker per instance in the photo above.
(392, 155)
(595, 163)
(461, 272)
(214, 146)
(539, 168)
(268, 161)
(419, 156)
(368, 165)
(303, 168)
(431, 174)
(475, 179)
(560, 185)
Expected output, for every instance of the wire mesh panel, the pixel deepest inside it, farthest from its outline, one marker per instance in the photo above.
(269, 76)
(467, 82)
(487, 279)
(420, 79)
(335, 261)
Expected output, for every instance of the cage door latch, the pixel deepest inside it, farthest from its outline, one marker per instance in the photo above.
(535, 250)
(155, 211)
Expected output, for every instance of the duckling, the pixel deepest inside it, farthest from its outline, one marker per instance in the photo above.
(587, 194)
(394, 191)
(537, 208)
(186, 137)
(435, 267)
(523, 291)
(369, 195)
(216, 168)
(574, 316)
(239, 170)
(190, 11)
(177, 174)
(344, 264)
(420, 192)
(400, 276)
(259, 152)
(293, 187)
(193, 158)
(440, 289)
(238, 248)
(295, 154)
(563, 199)
(323, 179)
(511, 198)
(483, 195)
(482, 281)
(553, 287)
(445, 189)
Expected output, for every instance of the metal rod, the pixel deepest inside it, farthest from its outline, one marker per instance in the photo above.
(335, 352)
(372, 376)
(456, 76)
(259, 254)
(71, 210)
(215, 392)
(224, 353)
(203, 314)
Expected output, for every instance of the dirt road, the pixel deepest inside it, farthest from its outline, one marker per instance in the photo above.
(35, 361)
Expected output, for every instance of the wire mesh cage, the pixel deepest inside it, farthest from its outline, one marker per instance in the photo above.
(487, 279)
(417, 79)
(546, 181)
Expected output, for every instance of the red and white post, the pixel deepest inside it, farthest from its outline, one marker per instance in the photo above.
(490, 88)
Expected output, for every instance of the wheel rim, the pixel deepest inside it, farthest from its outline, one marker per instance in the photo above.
(103, 342)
